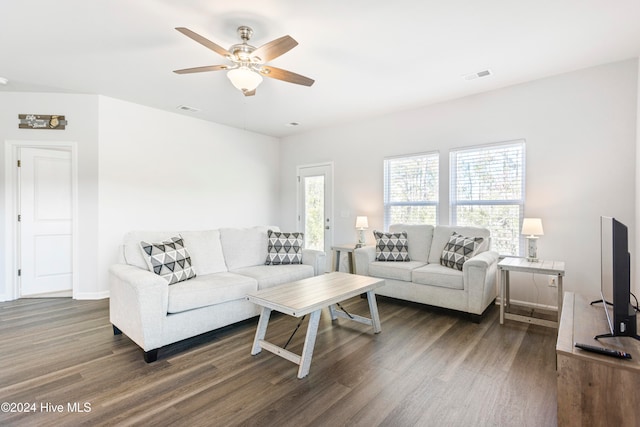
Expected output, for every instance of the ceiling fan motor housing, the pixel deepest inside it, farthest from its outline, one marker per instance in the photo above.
(242, 52)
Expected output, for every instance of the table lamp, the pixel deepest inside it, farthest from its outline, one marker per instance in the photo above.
(532, 228)
(362, 223)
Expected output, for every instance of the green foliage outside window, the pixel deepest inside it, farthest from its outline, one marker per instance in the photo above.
(314, 211)
(411, 189)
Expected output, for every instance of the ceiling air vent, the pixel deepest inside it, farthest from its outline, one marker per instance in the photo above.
(473, 76)
(187, 108)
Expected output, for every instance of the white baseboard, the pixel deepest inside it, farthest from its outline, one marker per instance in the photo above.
(91, 295)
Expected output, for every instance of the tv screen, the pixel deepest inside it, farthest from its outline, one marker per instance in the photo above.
(606, 267)
(615, 281)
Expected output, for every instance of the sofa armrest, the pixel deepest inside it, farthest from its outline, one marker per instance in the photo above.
(480, 274)
(316, 259)
(138, 304)
(364, 256)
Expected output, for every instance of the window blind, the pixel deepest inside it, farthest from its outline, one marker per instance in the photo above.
(487, 190)
(411, 189)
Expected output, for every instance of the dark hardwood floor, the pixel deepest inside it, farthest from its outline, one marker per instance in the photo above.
(428, 367)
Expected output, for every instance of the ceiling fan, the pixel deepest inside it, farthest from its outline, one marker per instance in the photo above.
(248, 62)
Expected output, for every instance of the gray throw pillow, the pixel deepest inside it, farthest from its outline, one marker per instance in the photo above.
(284, 248)
(391, 246)
(459, 249)
(169, 259)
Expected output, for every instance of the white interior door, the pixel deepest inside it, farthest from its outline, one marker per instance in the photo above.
(45, 207)
(315, 207)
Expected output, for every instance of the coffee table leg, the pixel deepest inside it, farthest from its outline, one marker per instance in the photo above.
(373, 308)
(309, 343)
(261, 331)
(332, 312)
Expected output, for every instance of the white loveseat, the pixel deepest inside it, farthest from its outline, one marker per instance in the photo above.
(424, 280)
(228, 263)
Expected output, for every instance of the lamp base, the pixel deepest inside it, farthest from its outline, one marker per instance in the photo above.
(361, 238)
(532, 249)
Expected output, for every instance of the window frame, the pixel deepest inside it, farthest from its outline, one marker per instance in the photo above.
(387, 204)
(519, 202)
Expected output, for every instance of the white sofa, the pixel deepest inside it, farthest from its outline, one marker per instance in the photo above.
(424, 280)
(229, 263)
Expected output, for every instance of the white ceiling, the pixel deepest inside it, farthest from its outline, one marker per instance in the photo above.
(368, 57)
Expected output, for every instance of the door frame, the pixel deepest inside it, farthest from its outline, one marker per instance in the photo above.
(298, 201)
(12, 241)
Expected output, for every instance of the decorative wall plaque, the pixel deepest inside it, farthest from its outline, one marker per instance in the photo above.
(41, 121)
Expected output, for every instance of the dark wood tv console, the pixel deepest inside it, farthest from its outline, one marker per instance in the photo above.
(594, 389)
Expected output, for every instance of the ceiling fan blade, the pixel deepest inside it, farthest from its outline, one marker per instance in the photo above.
(287, 76)
(202, 69)
(204, 42)
(273, 49)
(249, 92)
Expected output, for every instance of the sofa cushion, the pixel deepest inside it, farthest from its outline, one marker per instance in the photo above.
(393, 270)
(419, 237)
(273, 275)
(209, 289)
(438, 275)
(244, 247)
(169, 259)
(441, 236)
(391, 246)
(206, 251)
(284, 248)
(459, 249)
(204, 246)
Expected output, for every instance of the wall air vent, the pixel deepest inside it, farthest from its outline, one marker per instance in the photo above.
(473, 76)
(187, 108)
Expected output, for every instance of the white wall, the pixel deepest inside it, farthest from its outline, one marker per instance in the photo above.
(165, 171)
(142, 168)
(81, 112)
(580, 132)
(635, 260)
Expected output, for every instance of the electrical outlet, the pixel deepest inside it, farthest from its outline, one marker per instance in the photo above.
(553, 281)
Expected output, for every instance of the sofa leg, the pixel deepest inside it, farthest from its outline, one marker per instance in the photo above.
(151, 355)
(116, 331)
(476, 318)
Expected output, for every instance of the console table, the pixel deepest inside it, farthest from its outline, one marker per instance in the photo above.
(523, 265)
(594, 389)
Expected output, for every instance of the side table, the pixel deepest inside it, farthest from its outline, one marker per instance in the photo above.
(523, 265)
(348, 248)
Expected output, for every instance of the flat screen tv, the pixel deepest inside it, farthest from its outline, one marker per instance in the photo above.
(615, 281)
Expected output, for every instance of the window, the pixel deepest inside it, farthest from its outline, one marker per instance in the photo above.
(411, 189)
(487, 190)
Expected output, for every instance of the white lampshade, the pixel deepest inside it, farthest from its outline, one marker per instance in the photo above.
(362, 222)
(244, 79)
(532, 227)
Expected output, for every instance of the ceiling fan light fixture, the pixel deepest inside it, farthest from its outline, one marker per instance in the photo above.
(244, 79)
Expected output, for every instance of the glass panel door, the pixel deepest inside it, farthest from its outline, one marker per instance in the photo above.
(314, 212)
(315, 217)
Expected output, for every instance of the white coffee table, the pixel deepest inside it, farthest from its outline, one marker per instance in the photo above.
(311, 296)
